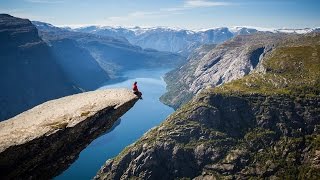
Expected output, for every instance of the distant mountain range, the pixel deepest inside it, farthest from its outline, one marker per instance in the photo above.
(167, 39)
(178, 40)
(113, 53)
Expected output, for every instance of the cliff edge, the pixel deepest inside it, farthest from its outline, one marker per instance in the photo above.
(45, 140)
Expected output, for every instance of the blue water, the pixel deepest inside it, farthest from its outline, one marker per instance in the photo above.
(145, 114)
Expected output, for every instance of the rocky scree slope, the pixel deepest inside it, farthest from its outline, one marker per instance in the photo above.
(43, 141)
(265, 125)
(218, 65)
(29, 73)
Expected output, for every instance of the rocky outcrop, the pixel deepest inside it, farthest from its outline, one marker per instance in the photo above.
(218, 65)
(262, 126)
(43, 141)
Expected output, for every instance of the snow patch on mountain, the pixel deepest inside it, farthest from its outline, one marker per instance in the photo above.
(179, 39)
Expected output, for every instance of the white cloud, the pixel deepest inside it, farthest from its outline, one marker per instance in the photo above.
(191, 4)
(203, 3)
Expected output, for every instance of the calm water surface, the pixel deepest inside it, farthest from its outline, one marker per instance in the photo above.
(145, 114)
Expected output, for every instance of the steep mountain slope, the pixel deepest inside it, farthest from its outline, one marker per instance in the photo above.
(29, 73)
(78, 64)
(223, 63)
(114, 54)
(265, 125)
(168, 39)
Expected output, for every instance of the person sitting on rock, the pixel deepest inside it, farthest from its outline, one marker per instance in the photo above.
(136, 90)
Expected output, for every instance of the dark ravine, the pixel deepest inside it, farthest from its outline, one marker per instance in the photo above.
(43, 156)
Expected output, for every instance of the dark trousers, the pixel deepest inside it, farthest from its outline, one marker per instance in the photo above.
(138, 93)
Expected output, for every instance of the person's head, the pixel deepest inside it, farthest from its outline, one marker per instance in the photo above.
(135, 83)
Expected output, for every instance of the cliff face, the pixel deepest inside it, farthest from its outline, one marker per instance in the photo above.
(265, 125)
(231, 137)
(218, 65)
(78, 64)
(29, 74)
(43, 141)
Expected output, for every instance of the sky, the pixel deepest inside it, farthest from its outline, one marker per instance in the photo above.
(189, 14)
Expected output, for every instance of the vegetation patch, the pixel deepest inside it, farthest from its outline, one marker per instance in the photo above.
(288, 70)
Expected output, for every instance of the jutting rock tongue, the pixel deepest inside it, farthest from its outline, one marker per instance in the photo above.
(43, 141)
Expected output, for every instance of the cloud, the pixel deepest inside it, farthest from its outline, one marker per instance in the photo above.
(192, 4)
(204, 3)
(45, 1)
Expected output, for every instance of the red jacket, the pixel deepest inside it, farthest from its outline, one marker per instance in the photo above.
(135, 88)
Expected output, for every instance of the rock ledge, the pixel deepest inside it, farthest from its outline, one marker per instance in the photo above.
(43, 141)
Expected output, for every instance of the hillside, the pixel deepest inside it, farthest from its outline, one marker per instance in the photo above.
(218, 65)
(29, 73)
(265, 125)
(296, 74)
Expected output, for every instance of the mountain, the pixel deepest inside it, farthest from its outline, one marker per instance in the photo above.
(78, 64)
(114, 54)
(168, 39)
(262, 126)
(29, 72)
(215, 66)
(177, 40)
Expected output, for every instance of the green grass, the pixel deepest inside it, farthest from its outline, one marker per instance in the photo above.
(289, 71)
